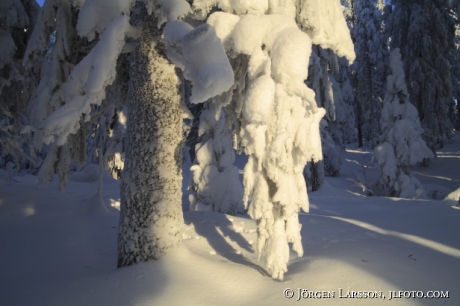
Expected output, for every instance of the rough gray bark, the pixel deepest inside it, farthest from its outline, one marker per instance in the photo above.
(151, 212)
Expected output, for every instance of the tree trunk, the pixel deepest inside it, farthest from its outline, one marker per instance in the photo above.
(151, 213)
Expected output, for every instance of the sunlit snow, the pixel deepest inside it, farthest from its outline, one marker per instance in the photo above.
(55, 252)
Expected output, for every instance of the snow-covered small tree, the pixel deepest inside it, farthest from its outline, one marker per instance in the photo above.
(219, 190)
(402, 143)
(107, 132)
(215, 181)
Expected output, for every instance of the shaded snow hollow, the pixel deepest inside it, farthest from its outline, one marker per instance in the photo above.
(53, 254)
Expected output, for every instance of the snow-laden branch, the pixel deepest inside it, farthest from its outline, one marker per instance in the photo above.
(86, 84)
(200, 54)
(96, 15)
(322, 20)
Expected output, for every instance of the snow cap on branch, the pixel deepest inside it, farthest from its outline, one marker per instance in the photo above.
(276, 34)
(325, 24)
(200, 54)
(238, 7)
(96, 15)
(167, 10)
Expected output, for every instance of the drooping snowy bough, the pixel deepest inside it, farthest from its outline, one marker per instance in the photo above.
(199, 53)
(279, 116)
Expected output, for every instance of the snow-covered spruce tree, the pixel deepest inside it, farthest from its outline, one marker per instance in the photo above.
(347, 78)
(279, 116)
(17, 19)
(330, 78)
(346, 93)
(371, 57)
(402, 143)
(420, 29)
(318, 80)
(151, 215)
(56, 48)
(337, 124)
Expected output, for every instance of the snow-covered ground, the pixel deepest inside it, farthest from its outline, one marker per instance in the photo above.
(60, 249)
